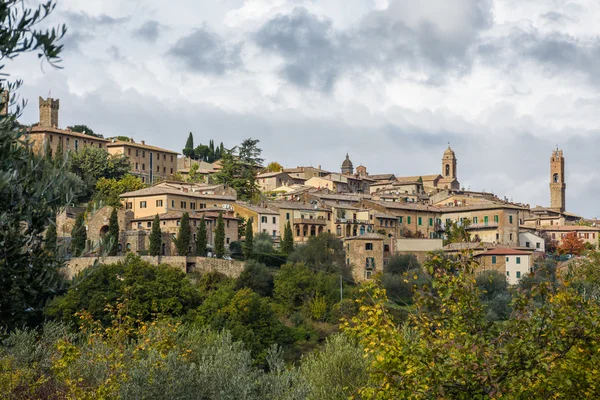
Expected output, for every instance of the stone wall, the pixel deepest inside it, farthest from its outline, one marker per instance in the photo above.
(231, 268)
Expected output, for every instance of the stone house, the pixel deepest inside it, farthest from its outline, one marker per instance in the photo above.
(265, 219)
(270, 181)
(365, 254)
(306, 219)
(588, 234)
(150, 163)
(515, 264)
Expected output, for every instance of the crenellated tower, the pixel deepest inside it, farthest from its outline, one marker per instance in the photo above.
(557, 181)
(49, 112)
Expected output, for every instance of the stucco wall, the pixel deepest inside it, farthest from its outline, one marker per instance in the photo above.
(229, 268)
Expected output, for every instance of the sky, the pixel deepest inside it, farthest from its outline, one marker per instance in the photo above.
(390, 82)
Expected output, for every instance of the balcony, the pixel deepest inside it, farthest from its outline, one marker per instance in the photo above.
(352, 221)
(489, 225)
(310, 221)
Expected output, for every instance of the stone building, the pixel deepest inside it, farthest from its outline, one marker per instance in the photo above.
(448, 179)
(306, 220)
(512, 263)
(150, 163)
(365, 254)
(588, 234)
(47, 135)
(270, 181)
(162, 198)
(265, 219)
(557, 181)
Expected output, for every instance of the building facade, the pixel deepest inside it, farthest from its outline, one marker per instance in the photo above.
(150, 163)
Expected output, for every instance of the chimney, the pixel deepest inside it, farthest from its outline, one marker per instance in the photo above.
(49, 112)
(319, 166)
(143, 142)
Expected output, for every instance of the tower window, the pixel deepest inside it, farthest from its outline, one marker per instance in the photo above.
(447, 169)
(555, 178)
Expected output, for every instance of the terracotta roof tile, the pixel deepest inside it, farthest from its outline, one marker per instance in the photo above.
(121, 143)
(43, 129)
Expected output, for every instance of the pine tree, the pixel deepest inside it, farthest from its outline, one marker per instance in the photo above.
(78, 236)
(220, 237)
(59, 157)
(155, 237)
(184, 236)
(201, 239)
(248, 240)
(112, 237)
(188, 150)
(287, 244)
(50, 239)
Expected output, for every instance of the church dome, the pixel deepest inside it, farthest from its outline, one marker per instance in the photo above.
(449, 153)
(347, 163)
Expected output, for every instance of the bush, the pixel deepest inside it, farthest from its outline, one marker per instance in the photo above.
(257, 277)
(401, 263)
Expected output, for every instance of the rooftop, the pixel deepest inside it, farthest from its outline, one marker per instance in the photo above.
(143, 145)
(158, 190)
(367, 236)
(504, 251)
(254, 208)
(44, 129)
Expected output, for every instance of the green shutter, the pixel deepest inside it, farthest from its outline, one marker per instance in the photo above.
(430, 221)
(408, 220)
(420, 221)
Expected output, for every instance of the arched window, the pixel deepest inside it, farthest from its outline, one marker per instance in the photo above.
(128, 246)
(555, 178)
(338, 230)
(362, 229)
(447, 169)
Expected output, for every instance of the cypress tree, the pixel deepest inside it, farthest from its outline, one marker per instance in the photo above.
(155, 237)
(188, 151)
(201, 239)
(183, 237)
(51, 237)
(113, 233)
(78, 236)
(248, 240)
(59, 157)
(287, 244)
(220, 237)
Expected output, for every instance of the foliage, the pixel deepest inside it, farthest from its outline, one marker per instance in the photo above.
(50, 240)
(274, 166)
(59, 157)
(31, 190)
(401, 288)
(188, 150)
(78, 236)
(201, 239)
(155, 238)
(287, 243)
(85, 130)
(571, 244)
(184, 236)
(256, 276)
(401, 263)
(147, 290)
(495, 295)
(92, 163)
(458, 232)
(248, 240)
(112, 237)
(220, 237)
(238, 169)
(448, 349)
(263, 243)
(108, 190)
(324, 252)
(336, 371)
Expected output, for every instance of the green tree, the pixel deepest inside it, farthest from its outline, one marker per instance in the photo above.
(155, 237)
(256, 276)
(220, 237)
(188, 150)
(238, 169)
(201, 239)
(249, 153)
(324, 252)
(92, 163)
(86, 130)
(112, 237)
(146, 289)
(59, 157)
(448, 348)
(401, 263)
(50, 241)
(108, 190)
(184, 236)
(78, 236)
(248, 240)
(30, 190)
(274, 166)
(287, 244)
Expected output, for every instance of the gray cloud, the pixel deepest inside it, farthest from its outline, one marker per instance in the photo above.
(203, 51)
(315, 54)
(82, 19)
(148, 31)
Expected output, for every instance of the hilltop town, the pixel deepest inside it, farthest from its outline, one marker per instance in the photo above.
(375, 215)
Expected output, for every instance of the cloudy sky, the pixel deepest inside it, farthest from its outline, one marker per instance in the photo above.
(389, 81)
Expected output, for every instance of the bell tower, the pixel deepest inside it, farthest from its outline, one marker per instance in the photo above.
(449, 164)
(557, 181)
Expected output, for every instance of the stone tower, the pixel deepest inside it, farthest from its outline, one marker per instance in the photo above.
(347, 167)
(49, 112)
(449, 164)
(5, 99)
(557, 181)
